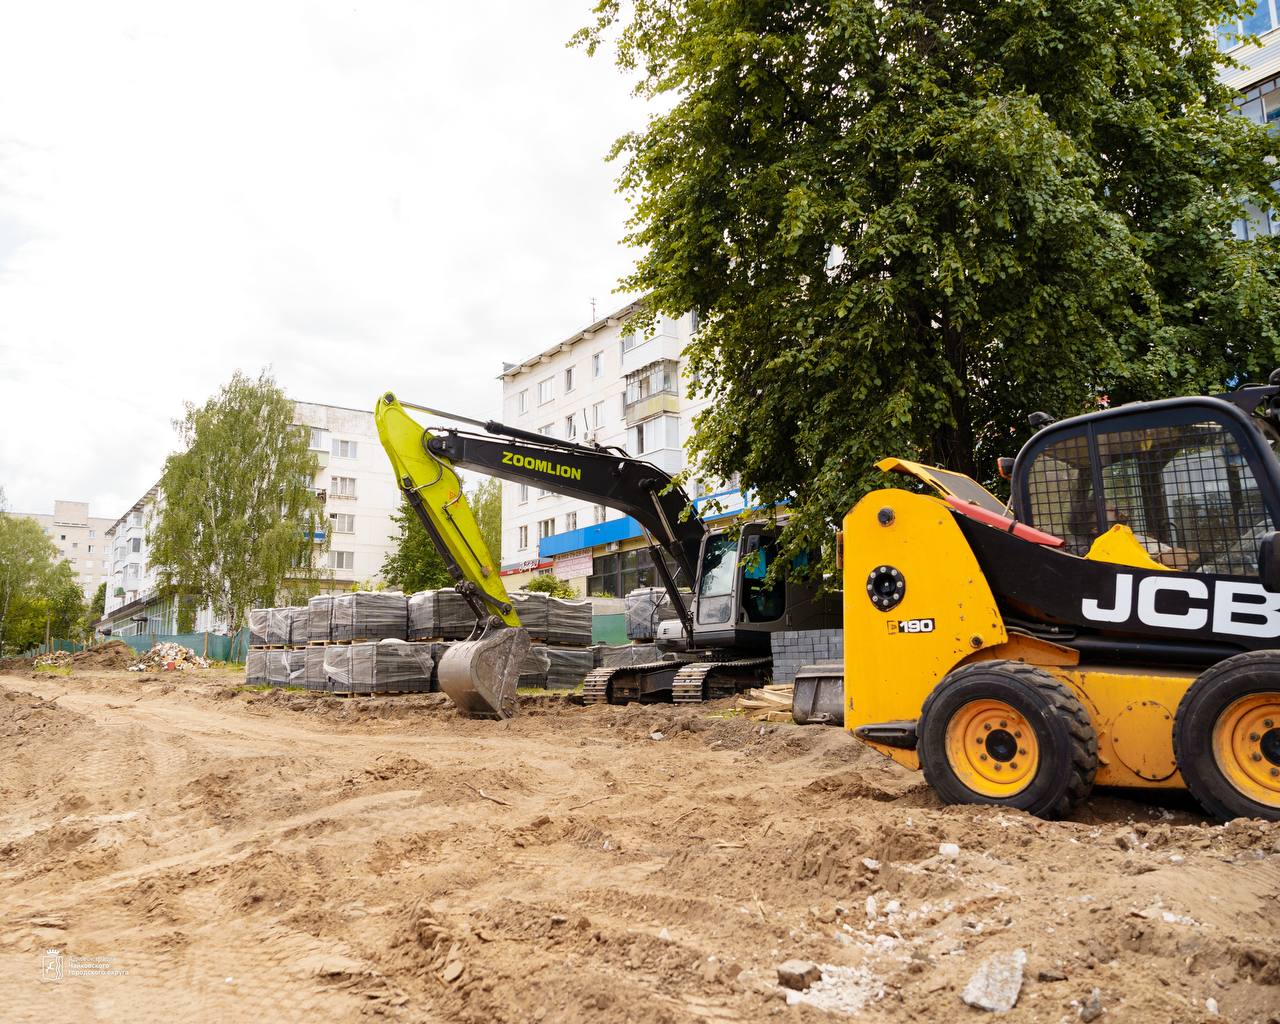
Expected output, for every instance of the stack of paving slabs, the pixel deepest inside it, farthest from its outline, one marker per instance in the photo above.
(793, 649)
(313, 677)
(568, 622)
(646, 608)
(295, 667)
(568, 666)
(388, 666)
(422, 616)
(168, 656)
(277, 668)
(299, 624)
(370, 615)
(258, 626)
(279, 624)
(454, 618)
(531, 606)
(255, 667)
(320, 619)
(535, 667)
(610, 656)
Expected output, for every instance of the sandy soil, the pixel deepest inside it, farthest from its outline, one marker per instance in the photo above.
(283, 857)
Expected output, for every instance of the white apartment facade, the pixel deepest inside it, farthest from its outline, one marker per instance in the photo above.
(360, 495)
(1258, 83)
(610, 385)
(81, 540)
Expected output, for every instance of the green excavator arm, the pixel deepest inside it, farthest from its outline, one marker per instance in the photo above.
(479, 674)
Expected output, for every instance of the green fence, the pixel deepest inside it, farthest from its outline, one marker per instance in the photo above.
(609, 629)
(214, 646)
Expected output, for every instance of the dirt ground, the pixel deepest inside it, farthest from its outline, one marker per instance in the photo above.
(174, 848)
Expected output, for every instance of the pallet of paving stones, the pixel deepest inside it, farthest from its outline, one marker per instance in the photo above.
(369, 615)
(645, 608)
(387, 666)
(320, 619)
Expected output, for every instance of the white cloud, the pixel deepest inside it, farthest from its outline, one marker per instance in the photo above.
(392, 195)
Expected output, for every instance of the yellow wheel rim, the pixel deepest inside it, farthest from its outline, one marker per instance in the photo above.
(992, 748)
(1246, 745)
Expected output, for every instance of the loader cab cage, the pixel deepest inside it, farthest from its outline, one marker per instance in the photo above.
(1193, 478)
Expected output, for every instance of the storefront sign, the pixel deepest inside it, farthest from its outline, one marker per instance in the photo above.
(574, 566)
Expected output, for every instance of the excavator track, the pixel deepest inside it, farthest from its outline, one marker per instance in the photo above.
(649, 682)
(710, 680)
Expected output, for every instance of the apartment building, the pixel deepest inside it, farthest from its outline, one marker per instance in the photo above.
(613, 385)
(360, 494)
(81, 540)
(1258, 83)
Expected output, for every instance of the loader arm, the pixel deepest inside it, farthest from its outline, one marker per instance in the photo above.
(603, 476)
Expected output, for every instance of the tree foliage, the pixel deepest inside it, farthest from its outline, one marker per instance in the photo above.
(98, 606)
(908, 225)
(415, 564)
(236, 514)
(37, 590)
(550, 583)
(486, 504)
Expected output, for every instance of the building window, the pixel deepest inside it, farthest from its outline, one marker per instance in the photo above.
(568, 380)
(1262, 19)
(638, 438)
(342, 486)
(344, 449)
(597, 365)
(342, 559)
(546, 390)
(90, 549)
(1261, 105)
(570, 521)
(570, 428)
(544, 493)
(522, 537)
(696, 320)
(522, 401)
(524, 494)
(135, 544)
(75, 544)
(654, 379)
(93, 534)
(548, 429)
(630, 341)
(546, 528)
(317, 439)
(342, 522)
(600, 513)
(62, 536)
(597, 415)
(135, 519)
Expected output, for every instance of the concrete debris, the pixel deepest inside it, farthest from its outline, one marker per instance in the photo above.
(948, 851)
(1050, 974)
(657, 736)
(54, 659)
(995, 985)
(844, 990)
(1091, 1008)
(169, 657)
(798, 974)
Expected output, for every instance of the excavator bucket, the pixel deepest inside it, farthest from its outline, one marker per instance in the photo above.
(480, 675)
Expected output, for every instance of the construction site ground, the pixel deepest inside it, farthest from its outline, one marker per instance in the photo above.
(174, 847)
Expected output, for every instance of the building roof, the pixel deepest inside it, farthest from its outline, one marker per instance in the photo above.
(137, 505)
(611, 320)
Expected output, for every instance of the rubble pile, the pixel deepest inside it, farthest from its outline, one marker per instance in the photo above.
(168, 657)
(54, 659)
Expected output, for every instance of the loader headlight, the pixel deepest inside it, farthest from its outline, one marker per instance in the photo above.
(886, 587)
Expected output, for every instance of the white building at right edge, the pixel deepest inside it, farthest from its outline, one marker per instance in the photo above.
(608, 384)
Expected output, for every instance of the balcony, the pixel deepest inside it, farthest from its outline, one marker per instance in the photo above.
(650, 406)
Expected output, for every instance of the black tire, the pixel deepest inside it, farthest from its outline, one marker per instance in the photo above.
(1067, 742)
(1217, 688)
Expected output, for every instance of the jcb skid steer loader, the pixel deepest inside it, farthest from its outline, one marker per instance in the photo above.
(1117, 625)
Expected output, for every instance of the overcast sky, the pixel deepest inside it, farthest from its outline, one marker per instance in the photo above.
(360, 196)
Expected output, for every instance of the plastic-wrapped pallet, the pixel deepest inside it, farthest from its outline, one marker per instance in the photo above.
(277, 671)
(454, 618)
(531, 606)
(313, 676)
(319, 618)
(568, 622)
(401, 667)
(277, 632)
(255, 668)
(369, 615)
(337, 667)
(568, 666)
(422, 615)
(258, 626)
(626, 654)
(645, 608)
(295, 668)
(299, 624)
(533, 672)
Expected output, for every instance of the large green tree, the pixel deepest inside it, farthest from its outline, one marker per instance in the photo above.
(29, 575)
(909, 224)
(237, 514)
